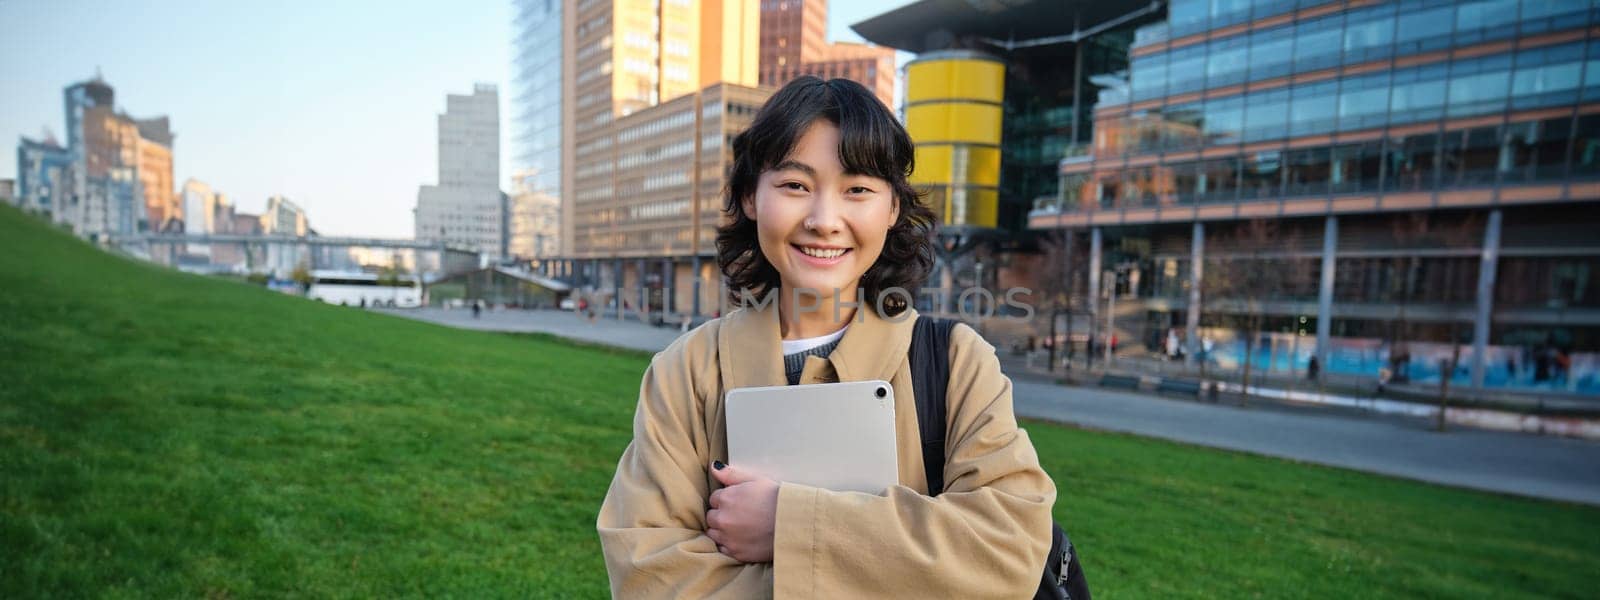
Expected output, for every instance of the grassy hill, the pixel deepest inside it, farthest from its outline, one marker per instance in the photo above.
(167, 435)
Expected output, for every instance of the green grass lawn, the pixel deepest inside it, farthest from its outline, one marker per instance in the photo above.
(166, 435)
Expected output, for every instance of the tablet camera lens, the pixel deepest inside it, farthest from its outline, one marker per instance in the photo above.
(882, 392)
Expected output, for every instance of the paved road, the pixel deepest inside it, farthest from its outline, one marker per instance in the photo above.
(608, 331)
(1528, 465)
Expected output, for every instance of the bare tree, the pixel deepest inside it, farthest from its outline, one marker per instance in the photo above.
(1413, 233)
(1248, 276)
(1060, 267)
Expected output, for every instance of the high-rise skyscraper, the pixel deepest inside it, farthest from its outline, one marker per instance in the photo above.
(534, 219)
(621, 57)
(536, 119)
(466, 207)
(794, 42)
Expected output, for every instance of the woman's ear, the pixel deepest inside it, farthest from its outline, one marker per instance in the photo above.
(748, 204)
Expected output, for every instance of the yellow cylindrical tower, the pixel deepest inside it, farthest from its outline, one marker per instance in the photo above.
(952, 111)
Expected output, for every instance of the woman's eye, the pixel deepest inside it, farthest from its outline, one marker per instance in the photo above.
(793, 185)
(858, 190)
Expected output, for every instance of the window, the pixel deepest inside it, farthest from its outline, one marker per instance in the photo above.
(1266, 115)
(1187, 72)
(1548, 15)
(1314, 109)
(1591, 72)
(1369, 34)
(1479, 86)
(1547, 76)
(1225, 63)
(1586, 146)
(1470, 156)
(1485, 20)
(1362, 102)
(1261, 175)
(1316, 44)
(1149, 76)
(1229, 12)
(1411, 163)
(1418, 94)
(1424, 30)
(1270, 52)
(1535, 150)
(1355, 167)
(1306, 172)
(1224, 118)
(1183, 126)
(1217, 182)
(1188, 16)
(1185, 180)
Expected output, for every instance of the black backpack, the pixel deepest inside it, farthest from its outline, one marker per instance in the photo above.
(930, 375)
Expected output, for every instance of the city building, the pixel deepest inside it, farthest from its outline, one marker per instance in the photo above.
(246, 224)
(622, 57)
(8, 191)
(113, 177)
(284, 217)
(794, 42)
(659, 200)
(535, 218)
(1400, 186)
(466, 208)
(44, 177)
(536, 111)
(205, 210)
(644, 87)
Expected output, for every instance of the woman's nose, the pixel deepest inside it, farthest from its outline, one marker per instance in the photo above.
(824, 217)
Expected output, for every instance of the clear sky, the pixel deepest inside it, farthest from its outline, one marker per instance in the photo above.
(331, 103)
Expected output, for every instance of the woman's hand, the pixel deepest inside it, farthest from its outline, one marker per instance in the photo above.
(743, 514)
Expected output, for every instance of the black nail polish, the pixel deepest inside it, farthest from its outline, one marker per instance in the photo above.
(717, 464)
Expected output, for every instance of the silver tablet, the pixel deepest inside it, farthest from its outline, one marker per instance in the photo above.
(838, 436)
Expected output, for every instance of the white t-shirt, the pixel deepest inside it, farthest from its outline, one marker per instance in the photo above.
(802, 345)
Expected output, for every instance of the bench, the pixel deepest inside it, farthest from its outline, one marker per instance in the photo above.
(1187, 387)
(1120, 381)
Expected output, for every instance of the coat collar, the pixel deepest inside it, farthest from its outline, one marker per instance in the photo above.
(750, 348)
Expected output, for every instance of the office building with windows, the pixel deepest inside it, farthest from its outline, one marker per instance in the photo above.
(535, 108)
(794, 42)
(466, 208)
(1406, 186)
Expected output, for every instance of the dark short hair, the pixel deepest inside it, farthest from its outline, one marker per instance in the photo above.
(872, 142)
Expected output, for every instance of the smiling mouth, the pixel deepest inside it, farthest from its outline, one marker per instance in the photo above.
(822, 253)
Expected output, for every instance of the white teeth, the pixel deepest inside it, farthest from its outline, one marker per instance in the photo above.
(821, 253)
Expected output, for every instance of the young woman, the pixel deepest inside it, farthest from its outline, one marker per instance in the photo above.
(818, 200)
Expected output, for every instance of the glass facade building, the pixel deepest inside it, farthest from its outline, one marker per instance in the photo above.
(1429, 171)
(536, 101)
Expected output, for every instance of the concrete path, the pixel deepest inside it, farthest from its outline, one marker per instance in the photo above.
(1526, 465)
(1521, 464)
(622, 334)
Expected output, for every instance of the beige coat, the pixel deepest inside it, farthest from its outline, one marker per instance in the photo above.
(986, 536)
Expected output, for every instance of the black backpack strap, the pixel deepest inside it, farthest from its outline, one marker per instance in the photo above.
(930, 375)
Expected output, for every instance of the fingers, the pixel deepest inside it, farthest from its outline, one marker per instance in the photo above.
(730, 475)
(714, 519)
(716, 498)
(717, 536)
(721, 471)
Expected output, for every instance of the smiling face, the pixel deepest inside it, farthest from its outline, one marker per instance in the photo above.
(820, 227)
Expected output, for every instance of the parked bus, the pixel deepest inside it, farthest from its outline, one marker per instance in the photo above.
(351, 288)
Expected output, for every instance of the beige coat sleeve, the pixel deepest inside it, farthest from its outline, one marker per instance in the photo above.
(652, 523)
(986, 536)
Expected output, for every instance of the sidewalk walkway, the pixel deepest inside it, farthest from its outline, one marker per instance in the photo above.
(1527, 465)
